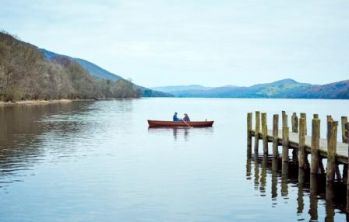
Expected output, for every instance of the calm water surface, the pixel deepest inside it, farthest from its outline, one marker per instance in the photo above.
(98, 161)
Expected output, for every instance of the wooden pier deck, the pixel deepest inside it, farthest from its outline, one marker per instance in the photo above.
(341, 150)
(302, 144)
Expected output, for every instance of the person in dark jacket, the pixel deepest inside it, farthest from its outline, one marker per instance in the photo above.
(186, 118)
(175, 118)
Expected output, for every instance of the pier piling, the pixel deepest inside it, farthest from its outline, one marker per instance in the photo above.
(285, 139)
(304, 115)
(347, 168)
(301, 150)
(249, 134)
(265, 133)
(275, 135)
(344, 120)
(294, 121)
(257, 129)
(315, 144)
(331, 150)
(347, 129)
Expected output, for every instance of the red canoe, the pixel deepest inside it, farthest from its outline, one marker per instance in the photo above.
(160, 123)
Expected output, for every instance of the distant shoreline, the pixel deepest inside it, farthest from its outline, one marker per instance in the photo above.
(36, 102)
(55, 101)
(65, 101)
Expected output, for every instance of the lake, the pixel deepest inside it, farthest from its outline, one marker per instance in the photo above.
(98, 161)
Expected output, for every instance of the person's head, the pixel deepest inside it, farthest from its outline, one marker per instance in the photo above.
(175, 113)
(185, 114)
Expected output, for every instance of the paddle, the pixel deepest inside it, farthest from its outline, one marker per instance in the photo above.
(186, 124)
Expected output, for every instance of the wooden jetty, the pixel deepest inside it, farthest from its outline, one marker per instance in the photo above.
(303, 145)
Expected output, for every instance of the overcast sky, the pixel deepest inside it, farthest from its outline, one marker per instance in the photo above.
(170, 42)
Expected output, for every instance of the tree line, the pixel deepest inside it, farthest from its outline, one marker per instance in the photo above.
(26, 75)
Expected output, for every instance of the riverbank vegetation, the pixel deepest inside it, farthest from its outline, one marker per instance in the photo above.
(26, 75)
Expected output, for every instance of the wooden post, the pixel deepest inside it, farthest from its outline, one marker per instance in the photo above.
(275, 135)
(338, 174)
(316, 116)
(285, 137)
(249, 135)
(331, 150)
(257, 129)
(301, 150)
(345, 175)
(347, 181)
(284, 119)
(321, 166)
(344, 121)
(347, 129)
(315, 145)
(304, 115)
(265, 133)
(294, 121)
(329, 118)
(285, 141)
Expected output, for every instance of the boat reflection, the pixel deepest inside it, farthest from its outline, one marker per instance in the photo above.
(184, 131)
(181, 132)
(315, 198)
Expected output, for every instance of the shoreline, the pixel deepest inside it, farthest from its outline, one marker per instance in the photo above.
(36, 102)
(53, 101)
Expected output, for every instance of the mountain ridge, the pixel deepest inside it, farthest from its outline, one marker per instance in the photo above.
(284, 88)
(93, 69)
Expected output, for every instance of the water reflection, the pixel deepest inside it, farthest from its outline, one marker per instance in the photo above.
(263, 175)
(313, 195)
(300, 195)
(185, 133)
(284, 177)
(181, 132)
(274, 178)
(20, 134)
(329, 202)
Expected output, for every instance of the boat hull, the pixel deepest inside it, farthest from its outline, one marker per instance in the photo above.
(160, 123)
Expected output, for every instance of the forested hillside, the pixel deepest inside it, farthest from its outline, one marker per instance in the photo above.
(26, 75)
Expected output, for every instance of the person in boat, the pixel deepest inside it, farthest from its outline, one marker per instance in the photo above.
(186, 118)
(175, 118)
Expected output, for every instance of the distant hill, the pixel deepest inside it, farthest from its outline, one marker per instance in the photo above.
(100, 73)
(97, 71)
(286, 88)
(170, 89)
(93, 69)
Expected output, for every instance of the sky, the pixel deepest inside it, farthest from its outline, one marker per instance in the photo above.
(207, 42)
